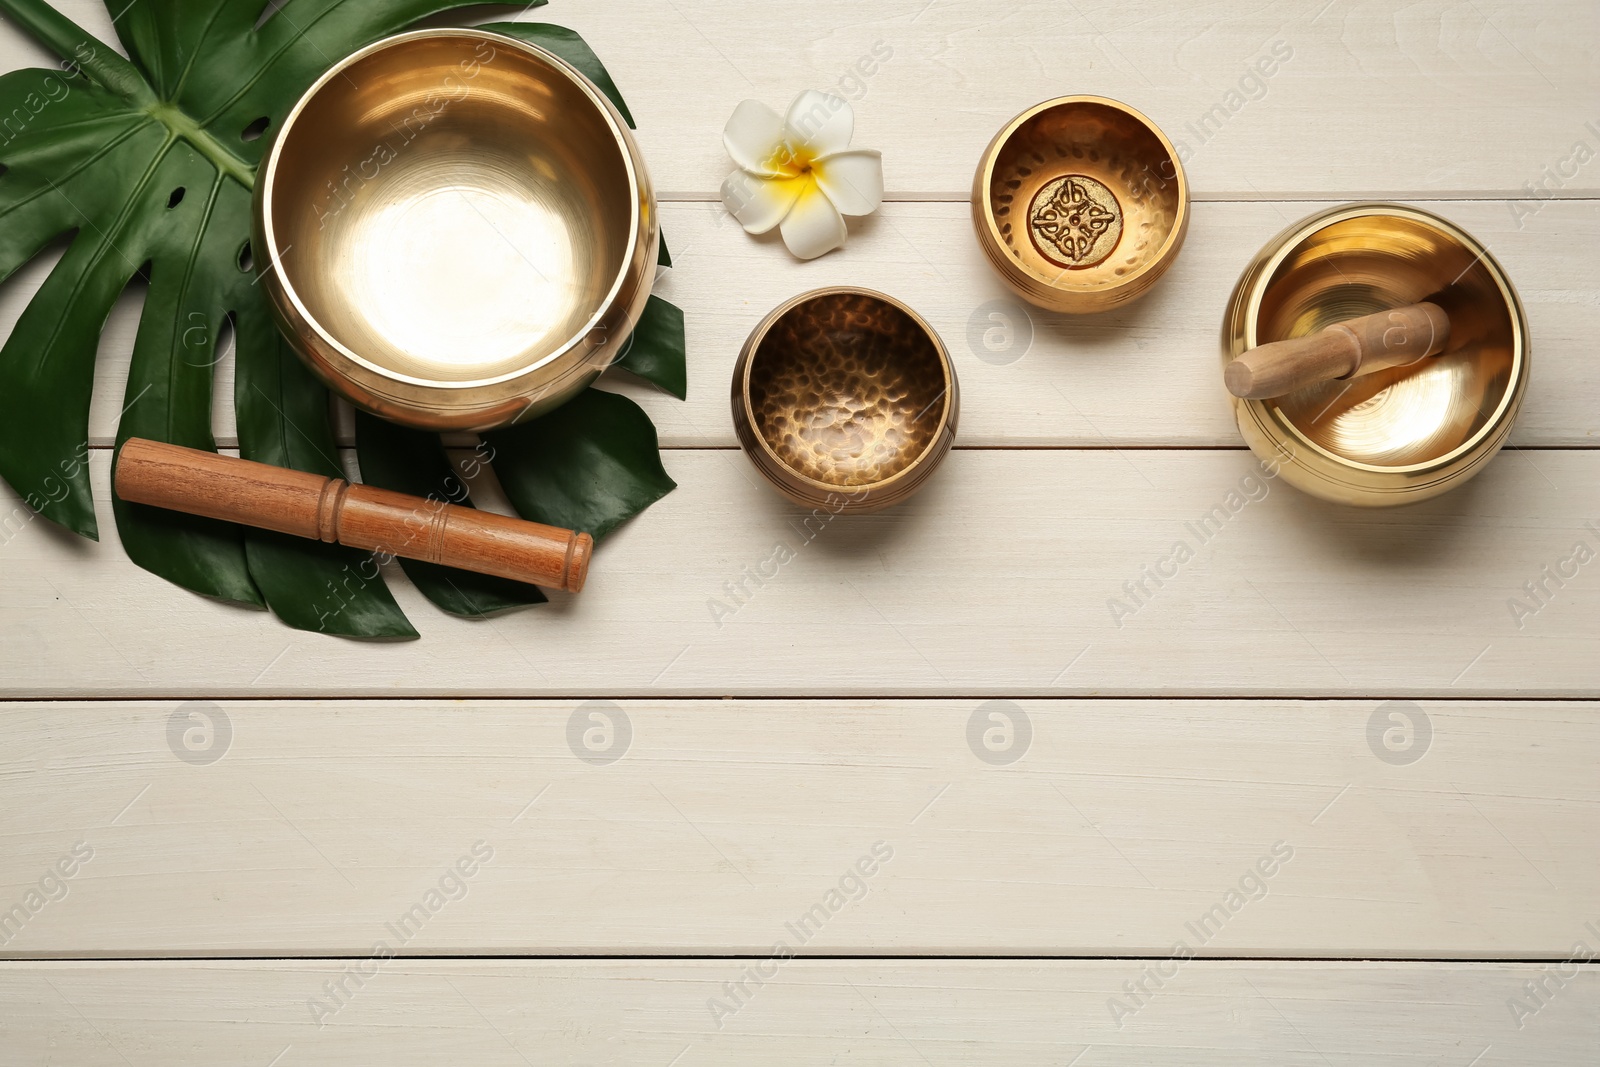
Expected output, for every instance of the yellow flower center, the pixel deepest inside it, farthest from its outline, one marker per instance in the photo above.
(790, 161)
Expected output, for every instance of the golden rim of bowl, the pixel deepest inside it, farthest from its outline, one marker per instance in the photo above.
(1158, 262)
(912, 471)
(1269, 417)
(269, 167)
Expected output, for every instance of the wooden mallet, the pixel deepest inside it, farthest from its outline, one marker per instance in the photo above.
(361, 516)
(1350, 349)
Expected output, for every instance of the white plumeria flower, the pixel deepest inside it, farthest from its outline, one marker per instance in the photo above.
(799, 173)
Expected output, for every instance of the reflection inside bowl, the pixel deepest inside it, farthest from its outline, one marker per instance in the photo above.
(847, 389)
(452, 210)
(512, 281)
(1406, 415)
(1084, 194)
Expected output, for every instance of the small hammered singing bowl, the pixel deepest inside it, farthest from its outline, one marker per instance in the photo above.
(1403, 434)
(1080, 204)
(845, 400)
(456, 230)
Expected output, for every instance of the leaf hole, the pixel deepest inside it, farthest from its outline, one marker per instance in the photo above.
(247, 259)
(222, 384)
(175, 199)
(254, 131)
(267, 11)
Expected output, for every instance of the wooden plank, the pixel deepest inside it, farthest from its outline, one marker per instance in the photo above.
(914, 1013)
(1145, 376)
(1040, 827)
(1013, 573)
(1469, 100)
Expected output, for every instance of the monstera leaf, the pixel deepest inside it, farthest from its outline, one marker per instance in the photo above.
(144, 167)
(564, 473)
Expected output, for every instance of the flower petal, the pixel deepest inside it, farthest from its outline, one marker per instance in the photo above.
(813, 226)
(754, 138)
(819, 123)
(852, 180)
(760, 203)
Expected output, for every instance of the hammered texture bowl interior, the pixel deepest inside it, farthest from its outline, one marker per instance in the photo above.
(848, 389)
(451, 209)
(1406, 415)
(1084, 195)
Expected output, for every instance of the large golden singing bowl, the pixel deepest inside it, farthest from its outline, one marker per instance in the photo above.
(1403, 434)
(1080, 203)
(456, 229)
(845, 399)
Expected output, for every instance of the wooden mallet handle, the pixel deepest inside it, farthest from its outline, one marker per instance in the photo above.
(1350, 349)
(361, 516)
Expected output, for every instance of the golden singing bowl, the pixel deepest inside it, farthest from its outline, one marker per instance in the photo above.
(1080, 203)
(456, 229)
(1403, 434)
(845, 399)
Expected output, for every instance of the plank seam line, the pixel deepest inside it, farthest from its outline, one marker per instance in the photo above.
(801, 698)
(1131, 447)
(1490, 196)
(84, 961)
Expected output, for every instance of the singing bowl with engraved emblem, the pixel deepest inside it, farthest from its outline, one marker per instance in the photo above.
(1080, 204)
(1403, 434)
(845, 400)
(455, 229)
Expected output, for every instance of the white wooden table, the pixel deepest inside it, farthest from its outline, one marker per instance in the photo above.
(1222, 776)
